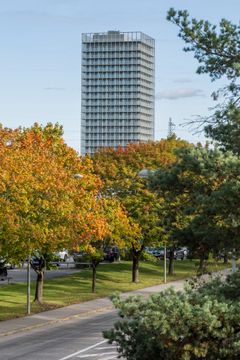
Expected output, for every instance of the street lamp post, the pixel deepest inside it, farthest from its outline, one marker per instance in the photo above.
(28, 285)
(29, 279)
(234, 267)
(165, 264)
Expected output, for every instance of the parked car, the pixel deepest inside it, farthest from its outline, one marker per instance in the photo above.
(150, 250)
(35, 261)
(158, 252)
(7, 264)
(111, 253)
(3, 271)
(3, 268)
(10, 265)
(180, 254)
(62, 255)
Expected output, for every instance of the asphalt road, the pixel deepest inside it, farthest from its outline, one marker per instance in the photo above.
(74, 339)
(20, 275)
(71, 338)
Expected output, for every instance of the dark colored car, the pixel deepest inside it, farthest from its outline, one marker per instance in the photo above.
(3, 268)
(180, 254)
(35, 262)
(159, 253)
(111, 254)
(3, 271)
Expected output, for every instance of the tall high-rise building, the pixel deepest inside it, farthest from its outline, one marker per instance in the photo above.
(117, 89)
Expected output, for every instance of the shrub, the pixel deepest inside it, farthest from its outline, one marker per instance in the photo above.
(220, 288)
(187, 325)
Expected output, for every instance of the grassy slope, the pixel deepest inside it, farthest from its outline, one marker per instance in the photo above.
(77, 287)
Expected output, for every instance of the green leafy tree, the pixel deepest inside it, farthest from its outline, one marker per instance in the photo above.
(205, 183)
(218, 52)
(119, 170)
(173, 221)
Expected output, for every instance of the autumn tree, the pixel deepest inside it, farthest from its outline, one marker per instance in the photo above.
(217, 49)
(117, 230)
(119, 170)
(43, 207)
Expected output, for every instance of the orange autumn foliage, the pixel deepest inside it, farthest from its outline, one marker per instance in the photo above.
(42, 205)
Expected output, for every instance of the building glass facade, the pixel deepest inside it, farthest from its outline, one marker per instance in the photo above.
(117, 89)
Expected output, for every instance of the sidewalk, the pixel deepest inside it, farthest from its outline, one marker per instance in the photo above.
(27, 323)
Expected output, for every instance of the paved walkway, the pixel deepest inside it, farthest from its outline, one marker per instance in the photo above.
(13, 326)
(87, 308)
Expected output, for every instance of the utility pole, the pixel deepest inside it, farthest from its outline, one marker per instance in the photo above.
(29, 279)
(28, 285)
(171, 128)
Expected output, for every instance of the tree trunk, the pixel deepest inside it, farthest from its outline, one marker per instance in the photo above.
(94, 275)
(135, 270)
(39, 267)
(171, 262)
(201, 266)
(135, 264)
(39, 287)
(225, 258)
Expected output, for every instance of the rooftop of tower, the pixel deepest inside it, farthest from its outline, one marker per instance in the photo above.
(117, 36)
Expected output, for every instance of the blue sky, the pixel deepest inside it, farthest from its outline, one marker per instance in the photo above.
(40, 62)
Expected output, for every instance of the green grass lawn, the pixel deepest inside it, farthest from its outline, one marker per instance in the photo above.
(76, 288)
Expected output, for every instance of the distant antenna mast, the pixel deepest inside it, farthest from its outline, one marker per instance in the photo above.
(171, 128)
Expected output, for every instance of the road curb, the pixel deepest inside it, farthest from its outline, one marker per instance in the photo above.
(57, 321)
(81, 313)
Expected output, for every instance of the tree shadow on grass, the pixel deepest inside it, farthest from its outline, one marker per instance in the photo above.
(9, 302)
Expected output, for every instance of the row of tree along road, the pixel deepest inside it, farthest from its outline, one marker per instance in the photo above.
(51, 198)
(45, 207)
(197, 195)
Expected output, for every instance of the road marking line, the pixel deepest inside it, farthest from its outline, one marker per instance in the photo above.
(83, 350)
(106, 347)
(97, 354)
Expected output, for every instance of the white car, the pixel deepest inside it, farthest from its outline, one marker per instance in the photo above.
(7, 264)
(62, 255)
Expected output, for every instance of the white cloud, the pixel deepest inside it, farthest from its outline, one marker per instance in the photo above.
(179, 94)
